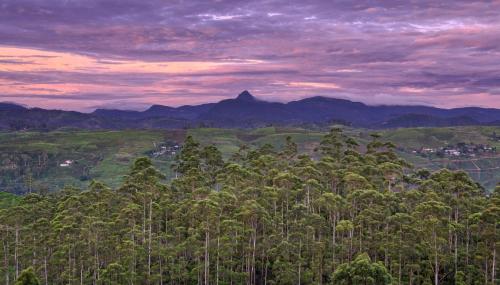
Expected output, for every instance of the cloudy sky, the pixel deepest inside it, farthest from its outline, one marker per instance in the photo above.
(83, 54)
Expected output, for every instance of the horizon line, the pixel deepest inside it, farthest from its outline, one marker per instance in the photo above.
(148, 106)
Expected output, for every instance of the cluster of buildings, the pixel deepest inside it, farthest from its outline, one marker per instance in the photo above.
(494, 137)
(458, 150)
(168, 149)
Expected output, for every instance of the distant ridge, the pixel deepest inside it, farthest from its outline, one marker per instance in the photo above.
(8, 106)
(246, 111)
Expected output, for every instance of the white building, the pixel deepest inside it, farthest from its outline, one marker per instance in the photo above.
(66, 163)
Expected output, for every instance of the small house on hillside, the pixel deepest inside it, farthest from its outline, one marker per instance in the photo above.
(452, 152)
(66, 163)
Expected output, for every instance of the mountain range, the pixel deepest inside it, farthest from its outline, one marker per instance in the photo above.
(246, 111)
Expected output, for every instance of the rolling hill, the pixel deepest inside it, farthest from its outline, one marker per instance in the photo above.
(107, 155)
(246, 111)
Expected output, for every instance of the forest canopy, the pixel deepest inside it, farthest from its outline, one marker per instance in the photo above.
(348, 215)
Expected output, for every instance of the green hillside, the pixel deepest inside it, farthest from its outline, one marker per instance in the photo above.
(435, 137)
(31, 160)
(268, 217)
(229, 140)
(415, 138)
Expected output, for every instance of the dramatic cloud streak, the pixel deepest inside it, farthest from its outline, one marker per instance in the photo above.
(83, 54)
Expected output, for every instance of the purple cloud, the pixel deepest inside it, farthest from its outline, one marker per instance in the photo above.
(423, 52)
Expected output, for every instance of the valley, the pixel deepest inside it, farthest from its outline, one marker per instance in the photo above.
(249, 142)
(49, 161)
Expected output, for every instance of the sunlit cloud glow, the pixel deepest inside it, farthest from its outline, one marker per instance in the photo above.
(79, 55)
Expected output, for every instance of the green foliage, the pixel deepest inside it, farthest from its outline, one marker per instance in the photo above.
(8, 200)
(27, 277)
(102, 155)
(30, 160)
(460, 278)
(268, 215)
(362, 271)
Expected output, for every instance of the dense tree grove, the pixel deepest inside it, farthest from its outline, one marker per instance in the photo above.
(348, 215)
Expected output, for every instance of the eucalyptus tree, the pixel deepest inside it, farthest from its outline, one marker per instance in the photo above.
(433, 223)
(362, 271)
(265, 216)
(27, 277)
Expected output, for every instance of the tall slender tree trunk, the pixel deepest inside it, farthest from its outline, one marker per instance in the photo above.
(81, 271)
(265, 271)
(299, 261)
(286, 223)
(351, 236)
(144, 221)
(334, 234)
(218, 251)
(161, 270)
(436, 262)
(70, 275)
(160, 256)
(97, 261)
(467, 241)
(150, 237)
(253, 253)
(386, 256)
(207, 257)
(34, 261)
(486, 270)
(308, 198)
(217, 261)
(450, 235)
(45, 270)
(494, 263)
(456, 242)
(6, 261)
(16, 261)
(200, 274)
(361, 237)
(134, 265)
(400, 267)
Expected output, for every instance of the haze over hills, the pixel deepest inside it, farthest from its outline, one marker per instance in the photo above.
(247, 111)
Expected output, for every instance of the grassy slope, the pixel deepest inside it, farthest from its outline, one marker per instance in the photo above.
(436, 137)
(413, 138)
(108, 154)
(229, 141)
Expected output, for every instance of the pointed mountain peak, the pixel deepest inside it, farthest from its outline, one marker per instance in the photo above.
(246, 96)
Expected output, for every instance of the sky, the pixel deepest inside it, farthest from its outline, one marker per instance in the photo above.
(129, 54)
